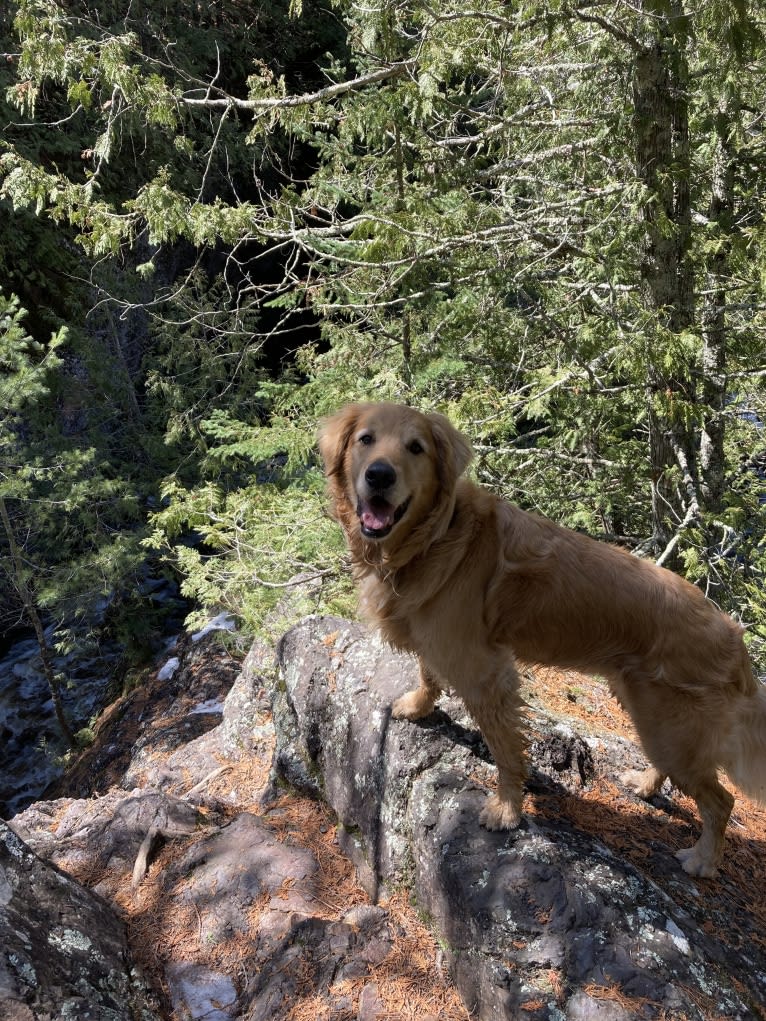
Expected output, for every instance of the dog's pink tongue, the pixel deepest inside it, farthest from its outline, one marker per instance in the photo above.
(377, 516)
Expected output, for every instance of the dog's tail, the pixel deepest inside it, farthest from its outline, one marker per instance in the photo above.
(745, 755)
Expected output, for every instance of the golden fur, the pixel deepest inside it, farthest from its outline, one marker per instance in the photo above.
(467, 582)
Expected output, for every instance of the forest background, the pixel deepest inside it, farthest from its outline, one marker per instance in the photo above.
(220, 221)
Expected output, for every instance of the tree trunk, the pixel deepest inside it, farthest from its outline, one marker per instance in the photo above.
(30, 608)
(712, 461)
(407, 315)
(661, 125)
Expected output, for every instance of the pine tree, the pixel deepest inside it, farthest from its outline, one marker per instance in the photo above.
(543, 220)
(24, 371)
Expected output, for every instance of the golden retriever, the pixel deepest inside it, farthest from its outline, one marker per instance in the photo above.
(468, 582)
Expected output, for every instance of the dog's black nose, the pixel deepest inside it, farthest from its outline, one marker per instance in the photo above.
(380, 475)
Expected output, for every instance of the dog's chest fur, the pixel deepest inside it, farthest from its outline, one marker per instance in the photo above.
(415, 604)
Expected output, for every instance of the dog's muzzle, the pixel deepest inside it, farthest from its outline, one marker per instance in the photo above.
(377, 515)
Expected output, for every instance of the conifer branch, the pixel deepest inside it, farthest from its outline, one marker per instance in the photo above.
(329, 92)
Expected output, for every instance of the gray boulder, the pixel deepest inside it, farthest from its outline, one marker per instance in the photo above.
(542, 922)
(63, 952)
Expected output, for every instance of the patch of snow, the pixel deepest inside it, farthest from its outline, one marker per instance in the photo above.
(169, 669)
(211, 706)
(223, 622)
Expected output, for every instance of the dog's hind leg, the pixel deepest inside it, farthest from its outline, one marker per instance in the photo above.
(680, 743)
(628, 691)
(498, 716)
(715, 804)
(644, 782)
(420, 702)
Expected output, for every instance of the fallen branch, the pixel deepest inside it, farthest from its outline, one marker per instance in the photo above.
(142, 858)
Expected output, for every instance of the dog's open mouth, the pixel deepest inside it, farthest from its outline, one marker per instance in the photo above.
(377, 516)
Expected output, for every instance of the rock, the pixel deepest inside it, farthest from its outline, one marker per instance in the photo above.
(540, 922)
(199, 992)
(321, 955)
(246, 726)
(250, 911)
(370, 1004)
(106, 832)
(63, 952)
(242, 888)
(229, 871)
(254, 895)
(187, 706)
(246, 867)
(116, 833)
(140, 731)
(240, 728)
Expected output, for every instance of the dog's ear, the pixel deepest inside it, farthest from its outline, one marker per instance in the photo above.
(453, 450)
(334, 434)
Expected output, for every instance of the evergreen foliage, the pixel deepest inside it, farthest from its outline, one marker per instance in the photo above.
(68, 512)
(546, 220)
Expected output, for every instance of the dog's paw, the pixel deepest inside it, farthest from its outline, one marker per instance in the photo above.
(643, 782)
(499, 815)
(412, 706)
(695, 863)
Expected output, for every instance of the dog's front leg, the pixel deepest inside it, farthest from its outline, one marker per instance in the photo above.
(496, 707)
(421, 701)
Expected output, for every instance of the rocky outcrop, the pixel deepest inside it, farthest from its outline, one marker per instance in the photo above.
(142, 787)
(247, 911)
(546, 920)
(63, 953)
(199, 817)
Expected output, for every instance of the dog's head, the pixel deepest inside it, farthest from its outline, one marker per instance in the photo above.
(390, 468)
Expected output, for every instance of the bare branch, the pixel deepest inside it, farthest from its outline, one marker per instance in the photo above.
(609, 26)
(397, 70)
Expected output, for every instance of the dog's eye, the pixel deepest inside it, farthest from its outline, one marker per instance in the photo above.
(415, 447)
(366, 439)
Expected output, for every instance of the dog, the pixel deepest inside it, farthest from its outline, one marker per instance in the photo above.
(469, 582)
